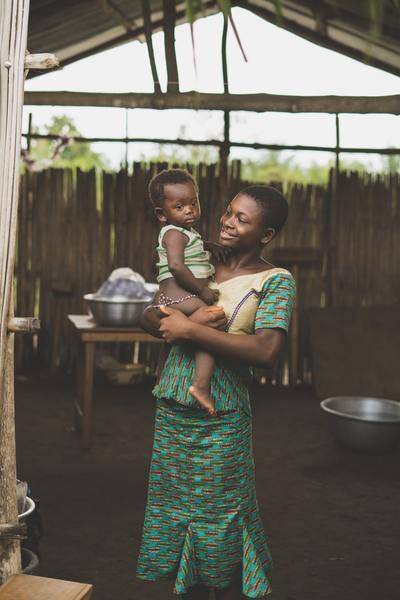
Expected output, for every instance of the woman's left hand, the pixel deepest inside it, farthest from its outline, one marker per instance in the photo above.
(174, 326)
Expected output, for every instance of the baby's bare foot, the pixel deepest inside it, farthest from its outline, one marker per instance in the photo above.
(203, 397)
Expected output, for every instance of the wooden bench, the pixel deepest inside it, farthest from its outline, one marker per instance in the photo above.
(30, 587)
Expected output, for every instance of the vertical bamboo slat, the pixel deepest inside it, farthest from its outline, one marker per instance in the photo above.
(75, 228)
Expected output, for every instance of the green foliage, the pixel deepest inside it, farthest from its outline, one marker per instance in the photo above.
(182, 154)
(193, 9)
(77, 154)
(271, 166)
(391, 163)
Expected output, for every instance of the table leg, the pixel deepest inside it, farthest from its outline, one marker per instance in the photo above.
(87, 396)
(77, 400)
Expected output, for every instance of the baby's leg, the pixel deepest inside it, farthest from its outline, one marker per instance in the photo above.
(200, 388)
(204, 362)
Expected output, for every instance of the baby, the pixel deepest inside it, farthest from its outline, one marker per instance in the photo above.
(184, 269)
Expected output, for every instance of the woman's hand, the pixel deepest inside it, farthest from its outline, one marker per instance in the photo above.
(150, 321)
(220, 253)
(211, 316)
(175, 326)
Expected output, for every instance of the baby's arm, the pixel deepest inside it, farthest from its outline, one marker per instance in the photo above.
(174, 243)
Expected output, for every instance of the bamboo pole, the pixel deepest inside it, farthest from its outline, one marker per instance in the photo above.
(13, 36)
(203, 101)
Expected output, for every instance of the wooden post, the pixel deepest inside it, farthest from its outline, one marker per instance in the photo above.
(337, 127)
(13, 36)
(169, 38)
(28, 137)
(126, 137)
(146, 12)
(225, 147)
(13, 63)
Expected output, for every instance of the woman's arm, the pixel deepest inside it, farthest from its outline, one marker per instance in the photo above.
(209, 316)
(261, 349)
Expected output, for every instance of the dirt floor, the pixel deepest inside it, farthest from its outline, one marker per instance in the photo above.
(333, 516)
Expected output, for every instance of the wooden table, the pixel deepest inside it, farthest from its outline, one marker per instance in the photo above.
(88, 333)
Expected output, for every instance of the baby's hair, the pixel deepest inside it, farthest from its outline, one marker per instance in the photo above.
(167, 177)
(273, 205)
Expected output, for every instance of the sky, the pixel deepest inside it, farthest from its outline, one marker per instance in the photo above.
(278, 63)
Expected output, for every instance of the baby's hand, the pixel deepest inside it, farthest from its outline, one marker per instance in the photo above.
(208, 295)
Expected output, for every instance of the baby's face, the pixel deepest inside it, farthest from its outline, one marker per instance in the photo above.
(181, 205)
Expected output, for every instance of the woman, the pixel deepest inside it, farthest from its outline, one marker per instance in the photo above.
(202, 525)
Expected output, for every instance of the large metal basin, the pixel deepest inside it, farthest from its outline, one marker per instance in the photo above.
(364, 424)
(118, 312)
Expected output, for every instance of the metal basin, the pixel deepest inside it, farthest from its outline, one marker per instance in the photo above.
(118, 312)
(364, 424)
(29, 507)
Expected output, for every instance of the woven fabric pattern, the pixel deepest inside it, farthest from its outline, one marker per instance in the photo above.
(229, 383)
(202, 523)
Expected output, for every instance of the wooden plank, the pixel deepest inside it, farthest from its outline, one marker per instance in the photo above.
(13, 35)
(31, 587)
(204, 101)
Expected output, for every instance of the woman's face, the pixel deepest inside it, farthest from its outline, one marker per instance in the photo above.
(242, 224)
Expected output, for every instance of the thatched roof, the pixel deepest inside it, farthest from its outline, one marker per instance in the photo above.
(73, 29)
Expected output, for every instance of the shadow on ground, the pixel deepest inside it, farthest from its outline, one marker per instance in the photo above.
(332, 515)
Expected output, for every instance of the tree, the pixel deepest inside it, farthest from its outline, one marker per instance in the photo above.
(271, 166)
(76, 154)
(391, 163)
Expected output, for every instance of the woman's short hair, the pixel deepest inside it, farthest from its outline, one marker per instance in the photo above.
(167, 177)
(273, 205)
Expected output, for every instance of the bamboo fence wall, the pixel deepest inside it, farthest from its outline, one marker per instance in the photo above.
(75, 227)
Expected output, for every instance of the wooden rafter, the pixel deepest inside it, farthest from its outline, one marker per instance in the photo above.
(219, 144)
(111, 7)
(169, 39)
(200, 101)
(330, 34)
(147, 26)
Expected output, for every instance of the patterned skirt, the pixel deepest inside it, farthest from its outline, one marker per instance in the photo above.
(202, 523)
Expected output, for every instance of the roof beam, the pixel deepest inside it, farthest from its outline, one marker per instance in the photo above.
(200, 101)
(110, 7)
(335, 34)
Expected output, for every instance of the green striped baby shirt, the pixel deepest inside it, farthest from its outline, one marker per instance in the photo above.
(196, 258)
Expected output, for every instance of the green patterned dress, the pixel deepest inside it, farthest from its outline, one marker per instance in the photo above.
(202, 522)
